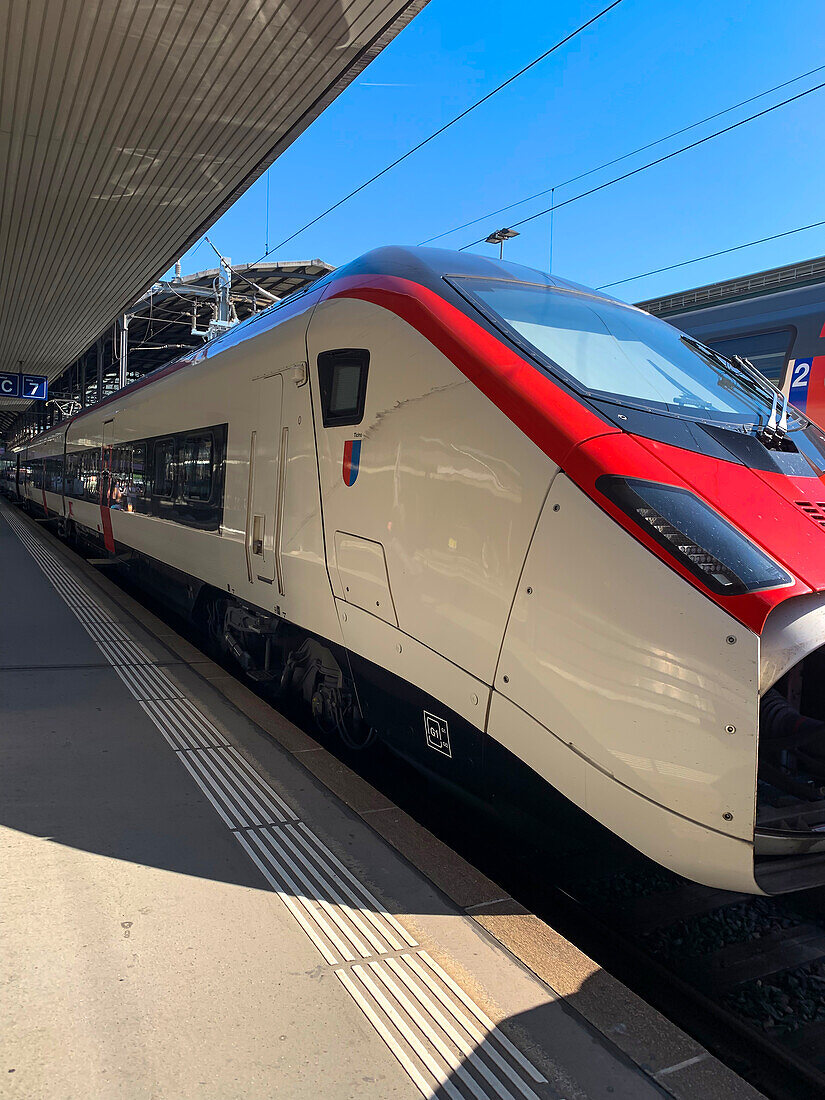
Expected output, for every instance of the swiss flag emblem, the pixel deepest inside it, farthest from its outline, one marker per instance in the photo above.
(352, 459)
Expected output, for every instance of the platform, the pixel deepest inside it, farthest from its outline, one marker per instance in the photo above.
(189, 910)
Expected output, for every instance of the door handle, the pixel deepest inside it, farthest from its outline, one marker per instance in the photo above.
(258, 535)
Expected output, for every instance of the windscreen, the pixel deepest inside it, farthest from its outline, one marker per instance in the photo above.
(619, 353)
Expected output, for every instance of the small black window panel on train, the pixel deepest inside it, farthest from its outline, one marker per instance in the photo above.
(342, 375)
(768, 351)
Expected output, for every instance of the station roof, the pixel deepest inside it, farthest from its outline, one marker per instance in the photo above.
(161, 323)
(160, 328)
(746, 286)
(128, 128)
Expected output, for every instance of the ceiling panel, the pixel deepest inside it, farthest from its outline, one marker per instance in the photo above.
(128, 126)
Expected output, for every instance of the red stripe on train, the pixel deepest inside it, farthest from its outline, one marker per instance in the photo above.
(572, 436)
(106, 520)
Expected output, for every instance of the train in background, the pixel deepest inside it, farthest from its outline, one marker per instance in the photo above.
(541, 543)
(774, 318)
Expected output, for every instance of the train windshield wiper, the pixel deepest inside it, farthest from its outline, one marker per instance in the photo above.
(738, 370)
(771, 434)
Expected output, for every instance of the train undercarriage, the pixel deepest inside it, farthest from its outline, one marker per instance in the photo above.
(790, 807)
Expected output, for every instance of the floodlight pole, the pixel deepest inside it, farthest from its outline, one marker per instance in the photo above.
(499, 237)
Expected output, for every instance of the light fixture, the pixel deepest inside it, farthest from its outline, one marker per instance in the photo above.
(709, 547)
(499, 237)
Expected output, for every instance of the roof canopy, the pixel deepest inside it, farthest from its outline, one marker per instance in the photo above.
(128, 126)
(162, 325)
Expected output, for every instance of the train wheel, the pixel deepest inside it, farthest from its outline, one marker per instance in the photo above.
(213, 620)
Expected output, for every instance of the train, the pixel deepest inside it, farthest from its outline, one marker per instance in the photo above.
(774, 318)
(541, 543)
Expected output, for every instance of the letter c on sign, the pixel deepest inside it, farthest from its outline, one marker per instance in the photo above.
(6, 385)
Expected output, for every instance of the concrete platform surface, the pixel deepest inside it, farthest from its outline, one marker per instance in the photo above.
(189, 911)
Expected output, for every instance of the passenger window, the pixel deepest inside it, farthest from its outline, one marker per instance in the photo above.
(138, 480)
(343, 381)
(196, 467)
(53, 476)
(118, 464)
(74, 481)
(164, 467)
(90, 471)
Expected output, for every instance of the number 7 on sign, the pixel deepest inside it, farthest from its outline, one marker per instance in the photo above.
(34, 386)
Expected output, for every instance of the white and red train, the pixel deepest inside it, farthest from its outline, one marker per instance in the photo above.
(537, 539)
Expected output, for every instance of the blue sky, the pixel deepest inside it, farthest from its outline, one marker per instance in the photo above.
(643, 70)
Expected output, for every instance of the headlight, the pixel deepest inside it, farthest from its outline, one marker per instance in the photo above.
(705, 543)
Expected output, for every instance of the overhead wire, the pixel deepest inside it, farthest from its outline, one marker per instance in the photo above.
(657, 160)
(436, 133)
(711, 255)
(625, 156)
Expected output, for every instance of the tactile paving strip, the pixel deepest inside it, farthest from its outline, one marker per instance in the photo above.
(443, 1040)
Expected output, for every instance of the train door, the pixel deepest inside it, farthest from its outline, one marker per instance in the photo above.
(265, 492)
(307, 595)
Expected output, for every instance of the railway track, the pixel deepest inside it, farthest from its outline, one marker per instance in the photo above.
(744, 975)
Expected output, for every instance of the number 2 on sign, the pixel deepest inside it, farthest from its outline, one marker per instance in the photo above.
(800, 374)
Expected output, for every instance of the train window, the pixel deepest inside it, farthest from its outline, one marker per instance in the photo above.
(138, 479)
(196, 467)
(90, 472)
(343, 381)
(74, 483)
(164, 467)
(119, 472)
(617, 353)
(54, 474)
(768, 351)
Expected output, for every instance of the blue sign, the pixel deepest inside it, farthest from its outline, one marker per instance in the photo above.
(800, 376)
(34, 386)
(9, 385)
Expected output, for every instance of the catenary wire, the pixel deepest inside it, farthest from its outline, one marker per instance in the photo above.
(446, 126)
(711, 255)
(657, 160)
(625, 156)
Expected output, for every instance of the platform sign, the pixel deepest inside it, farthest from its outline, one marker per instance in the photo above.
(34, 386)
(9, 385)
(800, 378)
